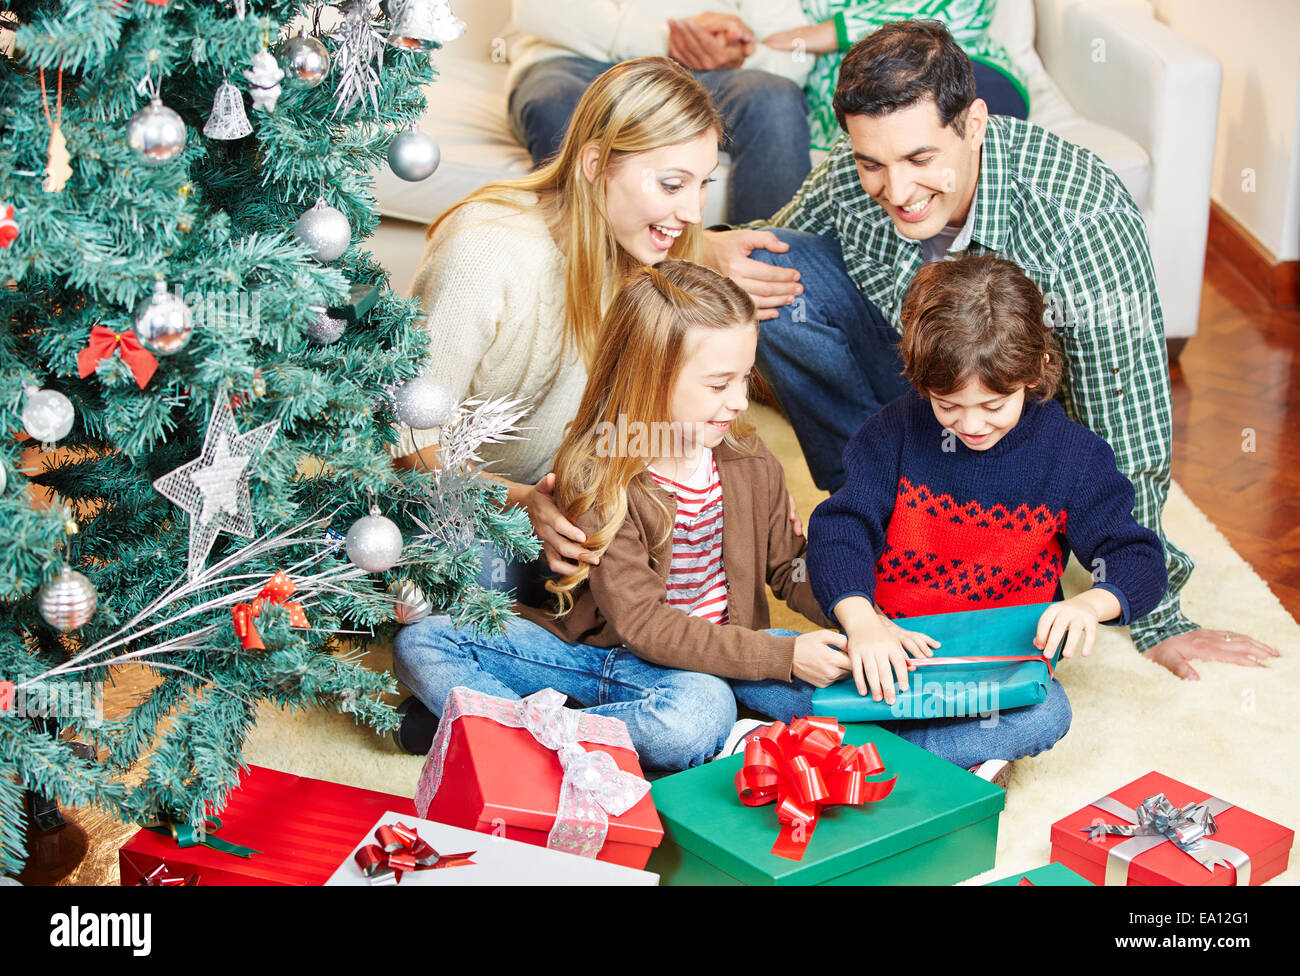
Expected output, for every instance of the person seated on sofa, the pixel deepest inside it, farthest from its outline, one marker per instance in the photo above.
(556, 48)
(926, 173)
(839, 24)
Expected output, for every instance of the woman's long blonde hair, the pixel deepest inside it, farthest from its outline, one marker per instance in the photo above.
(634, 107)
(637, 363)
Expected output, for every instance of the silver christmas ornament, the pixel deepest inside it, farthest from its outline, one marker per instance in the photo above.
(374, 542)
(156, 132)
(227, 120)
(305, 61)
(422, 403)
(67, 601)
(163, 323)
(4, 479)
(423, 24)
(409, 602)
(325, 230)
(264, 79)
(326, 329)
(413, 156)
(47, 415)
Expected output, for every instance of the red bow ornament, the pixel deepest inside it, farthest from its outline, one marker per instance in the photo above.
(277, 590)
(103, 341)
(804, 768)
(8, 225)
(400, 848)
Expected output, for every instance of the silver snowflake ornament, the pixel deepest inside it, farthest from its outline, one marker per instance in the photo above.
(213, 488)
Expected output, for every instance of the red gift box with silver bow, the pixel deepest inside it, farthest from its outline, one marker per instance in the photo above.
(537, 772)
(1158, 831)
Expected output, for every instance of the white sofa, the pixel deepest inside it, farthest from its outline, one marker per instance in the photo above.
(1103, 74)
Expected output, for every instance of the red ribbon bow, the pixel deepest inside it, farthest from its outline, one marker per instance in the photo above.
(8, 225)
(161, 877)
(805, 767)
(277, 590)
(103, 341)
(400, 848)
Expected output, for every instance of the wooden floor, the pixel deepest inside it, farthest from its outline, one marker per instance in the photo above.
(1236, 394)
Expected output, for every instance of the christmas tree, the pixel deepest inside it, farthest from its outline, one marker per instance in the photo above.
(200, 380)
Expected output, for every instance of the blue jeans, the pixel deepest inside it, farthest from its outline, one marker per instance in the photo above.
(966, 741)
(766, 119)
(676, 719)
(830, 357)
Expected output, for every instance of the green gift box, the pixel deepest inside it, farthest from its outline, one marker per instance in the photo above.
(938, 826)
(1050, 875)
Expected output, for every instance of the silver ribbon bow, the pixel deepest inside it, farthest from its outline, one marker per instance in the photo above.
(1156, 820)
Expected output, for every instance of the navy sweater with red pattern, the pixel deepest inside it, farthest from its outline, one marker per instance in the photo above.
(923, 524)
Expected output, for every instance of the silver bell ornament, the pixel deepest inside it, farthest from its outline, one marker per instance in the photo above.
(156, 132)
(413, 156)
(163, 323)
(422, 403)
(47, 415)
(227, 120)
(409, 602)
(264, 79)
(326, 330)
(305, 61)
(374, 542)
(68, 601)
(422, 24)
(325, 230)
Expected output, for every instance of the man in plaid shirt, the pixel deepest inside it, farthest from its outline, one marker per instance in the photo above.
(924, 172)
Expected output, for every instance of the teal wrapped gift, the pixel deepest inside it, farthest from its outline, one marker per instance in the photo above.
(939, 825)
(987, 663)
(1048, 876)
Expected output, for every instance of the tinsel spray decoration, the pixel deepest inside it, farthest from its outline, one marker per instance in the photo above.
(360, 57)
(264, 81)
(422, 24)
(305, 61)
(325, 231)
(47, 415)
(8, 225)
(68, 601)
(163, 322)
(155, 132)
(58, 165)
(227, 120)
(374, 542)
(413, 155)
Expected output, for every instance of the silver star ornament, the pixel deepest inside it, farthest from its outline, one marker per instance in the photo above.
(213, 488)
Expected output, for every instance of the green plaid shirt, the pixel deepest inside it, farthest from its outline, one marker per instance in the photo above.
(1064, 217)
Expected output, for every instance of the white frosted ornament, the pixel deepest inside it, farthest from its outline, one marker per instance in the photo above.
(409, 602)
(227, 120)
(305, 61)
(68, 601)
(422, 24)
(156, 132)
(325, 230)
(374, 542)
(47, 415)
(326, 330)
(413, 156)
(422, 403)
(163, 322)
(264, 81)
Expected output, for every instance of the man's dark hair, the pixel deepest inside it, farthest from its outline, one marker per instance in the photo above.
(901, 64)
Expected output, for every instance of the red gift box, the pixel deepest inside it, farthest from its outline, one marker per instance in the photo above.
(498, 779)
(1267, 844)
(302, 828)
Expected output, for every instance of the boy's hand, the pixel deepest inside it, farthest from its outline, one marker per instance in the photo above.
(879, 662)
(914, 642)
(819, 658)
(1071, 619)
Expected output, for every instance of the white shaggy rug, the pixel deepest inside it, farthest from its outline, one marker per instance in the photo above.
(1231, 733)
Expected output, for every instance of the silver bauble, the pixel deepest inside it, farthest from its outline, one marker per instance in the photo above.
(413, 156)
(326, 329)
(47, 415)
(163, 323)
(409, 602)
(305, 61)
(156, 132)
(422, 403)
(4, 479)
(374, 542)
(325, 230)
(68, 600)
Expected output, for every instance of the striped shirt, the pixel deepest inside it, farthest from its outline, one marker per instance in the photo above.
(697, 581)
(1064, 217)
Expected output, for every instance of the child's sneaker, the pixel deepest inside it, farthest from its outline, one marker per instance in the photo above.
(996, 771)
(415, 734)
(740, 733)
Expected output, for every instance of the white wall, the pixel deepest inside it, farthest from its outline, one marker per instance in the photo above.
(1258, 43)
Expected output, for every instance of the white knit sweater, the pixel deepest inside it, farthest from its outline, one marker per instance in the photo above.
(491, 283)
